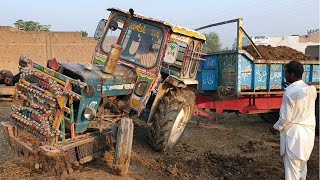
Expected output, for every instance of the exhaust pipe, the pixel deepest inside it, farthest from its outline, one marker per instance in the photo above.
(112, 60)
(114, 55)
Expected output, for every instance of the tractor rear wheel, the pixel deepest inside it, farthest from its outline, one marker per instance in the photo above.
(123, 146)
(171, 118)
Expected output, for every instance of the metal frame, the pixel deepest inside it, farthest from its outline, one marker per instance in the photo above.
(245, 104)
(240, 33)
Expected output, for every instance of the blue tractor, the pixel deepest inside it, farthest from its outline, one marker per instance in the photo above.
(142, 70)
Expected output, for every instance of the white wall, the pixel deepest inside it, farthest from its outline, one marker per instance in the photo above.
(296, 42)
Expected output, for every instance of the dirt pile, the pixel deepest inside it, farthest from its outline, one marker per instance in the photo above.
(277, 53)
(210, 165)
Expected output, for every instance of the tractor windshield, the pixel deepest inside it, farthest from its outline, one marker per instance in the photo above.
(141, 44)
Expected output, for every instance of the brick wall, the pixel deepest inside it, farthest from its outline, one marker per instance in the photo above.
(41, 46)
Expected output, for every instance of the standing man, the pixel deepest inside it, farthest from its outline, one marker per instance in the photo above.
(296, 123)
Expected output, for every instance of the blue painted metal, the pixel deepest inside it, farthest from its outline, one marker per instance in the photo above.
(104, 85)
(245, 76)
(227, 65)
(208, 73)
(237, 69)
(275, 77)
(208, 79)
(306, 74)
(315, 74)
(210, 63)
(260, 78)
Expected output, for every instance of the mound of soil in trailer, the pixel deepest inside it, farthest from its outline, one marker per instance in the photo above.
(277, 53)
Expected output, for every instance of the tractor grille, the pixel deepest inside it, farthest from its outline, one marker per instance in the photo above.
(47, 103)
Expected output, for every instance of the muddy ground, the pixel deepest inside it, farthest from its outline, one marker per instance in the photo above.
(234, 147)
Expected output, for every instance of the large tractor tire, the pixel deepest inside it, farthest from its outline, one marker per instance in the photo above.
(171, 118)
(123, 146)
(6, 77)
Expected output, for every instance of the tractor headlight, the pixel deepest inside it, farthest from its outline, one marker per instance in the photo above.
(89, 113)
(141, 88)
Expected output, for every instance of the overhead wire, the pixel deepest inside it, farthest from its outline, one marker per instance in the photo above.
(236, 10)
(277, 11)
(271, 10)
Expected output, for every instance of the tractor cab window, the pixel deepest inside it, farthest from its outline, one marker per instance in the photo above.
(141, 44)
(113, 33)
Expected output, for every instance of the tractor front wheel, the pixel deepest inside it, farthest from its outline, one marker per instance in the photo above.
(171, 118)
(123, 146)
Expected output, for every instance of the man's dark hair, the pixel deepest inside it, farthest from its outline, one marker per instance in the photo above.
(296, 68)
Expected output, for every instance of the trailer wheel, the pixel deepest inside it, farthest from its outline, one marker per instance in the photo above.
(174, 111)
(271, 117)
(123, 146)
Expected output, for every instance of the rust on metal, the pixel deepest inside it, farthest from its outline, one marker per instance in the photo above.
(113, 58)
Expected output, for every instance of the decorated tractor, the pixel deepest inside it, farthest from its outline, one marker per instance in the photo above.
(142, 69)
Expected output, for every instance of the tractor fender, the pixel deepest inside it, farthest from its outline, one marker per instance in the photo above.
(169, 83)
(182, 83)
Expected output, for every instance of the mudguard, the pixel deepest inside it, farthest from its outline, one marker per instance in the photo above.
(169, 83)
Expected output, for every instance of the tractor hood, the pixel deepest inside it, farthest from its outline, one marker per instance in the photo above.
(120, 83)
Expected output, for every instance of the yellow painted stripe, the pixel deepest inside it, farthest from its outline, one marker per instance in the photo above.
(53, 78)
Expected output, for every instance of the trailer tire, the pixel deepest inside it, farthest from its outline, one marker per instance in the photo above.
(270, 117)
(123, 147)
(170, 120)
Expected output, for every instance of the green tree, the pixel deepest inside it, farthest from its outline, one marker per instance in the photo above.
(31, 26)
(213, 43)
(84, 33)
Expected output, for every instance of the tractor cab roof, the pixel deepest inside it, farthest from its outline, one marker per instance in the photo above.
(174, 28)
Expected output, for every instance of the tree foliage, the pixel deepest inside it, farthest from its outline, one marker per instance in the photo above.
(213, 43)
(31, 26)
(84, 33)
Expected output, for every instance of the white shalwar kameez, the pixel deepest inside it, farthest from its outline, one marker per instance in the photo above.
(297, 128)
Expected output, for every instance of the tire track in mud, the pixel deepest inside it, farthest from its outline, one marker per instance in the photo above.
(234, 147)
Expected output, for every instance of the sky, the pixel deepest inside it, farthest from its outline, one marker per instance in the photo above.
(260, 17)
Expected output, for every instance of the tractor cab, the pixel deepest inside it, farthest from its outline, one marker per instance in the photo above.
(141, 40)
(148, 43)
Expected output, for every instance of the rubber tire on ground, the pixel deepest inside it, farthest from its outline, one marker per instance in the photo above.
(271, 117)
(123, 147)
(6, 77)
(171, 105)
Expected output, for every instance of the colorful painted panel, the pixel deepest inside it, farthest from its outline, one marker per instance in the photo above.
(211, 62)
(244, 74)
(227, 69)
(315, 74)
(208, 79)
(275, 79)
(208, 76)
(174, 28)
(260, 76)
(139, 102)
(306, 73)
